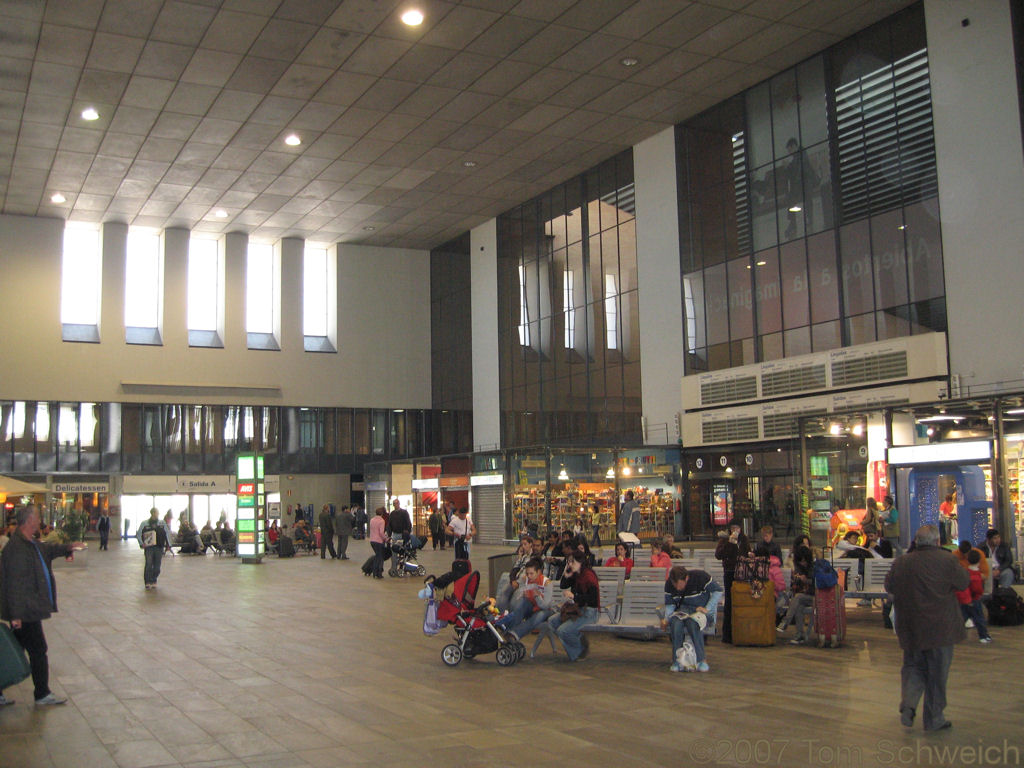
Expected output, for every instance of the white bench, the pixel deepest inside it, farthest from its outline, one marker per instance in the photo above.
(875, 571)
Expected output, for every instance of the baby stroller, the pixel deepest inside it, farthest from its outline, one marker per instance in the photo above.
(475, 633)
(405, 557)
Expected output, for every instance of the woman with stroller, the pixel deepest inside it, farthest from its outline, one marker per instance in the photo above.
(377, 525)
(583, 601)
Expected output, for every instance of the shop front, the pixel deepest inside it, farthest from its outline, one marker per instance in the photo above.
(78, 495)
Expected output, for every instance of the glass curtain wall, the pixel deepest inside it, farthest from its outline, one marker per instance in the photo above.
(568, 312)
(808, 206)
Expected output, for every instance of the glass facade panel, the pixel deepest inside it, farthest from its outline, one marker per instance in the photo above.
(830, 179)
(567, 306)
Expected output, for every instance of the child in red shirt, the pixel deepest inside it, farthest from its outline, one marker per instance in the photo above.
(970, 598)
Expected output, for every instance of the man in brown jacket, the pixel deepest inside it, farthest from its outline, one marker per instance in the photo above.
(924, 584)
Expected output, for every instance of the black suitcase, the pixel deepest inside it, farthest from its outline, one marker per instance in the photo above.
(285, 547)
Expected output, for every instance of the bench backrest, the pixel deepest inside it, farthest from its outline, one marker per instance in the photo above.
(610, 573)
(610, 590)
(641, 601)
(647, 574)
(875, 571)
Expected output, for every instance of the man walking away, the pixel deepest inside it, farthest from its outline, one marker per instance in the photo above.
(629, 516)
(28, 595)
(924, 584)
(344, 524)
(399, 526)
(103, 528)
(152, 537)
(327, 533)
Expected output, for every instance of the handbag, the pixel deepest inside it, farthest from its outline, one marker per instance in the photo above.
(14, 666)
(569, 611)
(752, 569)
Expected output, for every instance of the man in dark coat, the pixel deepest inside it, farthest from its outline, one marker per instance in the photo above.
(327, 533)
(343, 526)
(924, 584)
(399, 526)
(28, 595)
(103, 528)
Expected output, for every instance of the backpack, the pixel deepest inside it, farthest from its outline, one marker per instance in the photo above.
(1006, 608)
(825, 575)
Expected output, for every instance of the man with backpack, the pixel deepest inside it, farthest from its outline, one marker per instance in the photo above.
(924, 584)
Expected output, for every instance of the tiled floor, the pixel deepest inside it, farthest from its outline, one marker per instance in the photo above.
(304, 662)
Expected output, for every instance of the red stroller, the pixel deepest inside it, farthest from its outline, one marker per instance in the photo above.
(475, 632)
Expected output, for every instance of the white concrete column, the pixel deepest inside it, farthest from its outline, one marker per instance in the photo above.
(483, 259)
(115, 246)
(291, 292)
(976, 110)
(661, 312)
(174, 330)
(235, 249)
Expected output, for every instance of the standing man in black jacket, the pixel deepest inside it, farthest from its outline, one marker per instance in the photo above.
(103, 528)
(399, 524)
(28, 594)
(327, 533)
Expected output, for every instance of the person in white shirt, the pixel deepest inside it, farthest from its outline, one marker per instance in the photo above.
(461, 528)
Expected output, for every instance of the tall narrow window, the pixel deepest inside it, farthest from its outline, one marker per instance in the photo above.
(143, 289)
(262, 281)
(569, 310)
(319, 299)
(205, 293)
(611, 312)
(524, 311)
(81, 280)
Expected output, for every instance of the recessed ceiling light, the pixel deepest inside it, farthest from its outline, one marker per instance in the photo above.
(90, 114)
(469, 163)
(58, 198)
(412, 18)
(761, 263)
(369, 229)
(629, 61)
(292, 140)
(220, 213)
(795, 208)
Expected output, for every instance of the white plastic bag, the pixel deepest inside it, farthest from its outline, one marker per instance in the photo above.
(686, 656)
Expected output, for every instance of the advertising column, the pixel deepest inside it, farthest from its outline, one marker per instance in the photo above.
(252, 507)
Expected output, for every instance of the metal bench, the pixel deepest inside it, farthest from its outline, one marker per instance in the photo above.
(875, 571)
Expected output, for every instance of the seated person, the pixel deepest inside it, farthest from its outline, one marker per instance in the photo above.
(556, 565)
(620, 559)
(767, 546)
(674, 551)
(303, 536)
(802, 540)
(691, 601)
(529, 607)
(227, 537)
(273, 534)
(1000, 559)
(206, 536)
(660, 557)
(801, 604)
(509, 582)
(877, 546)
(188, 539)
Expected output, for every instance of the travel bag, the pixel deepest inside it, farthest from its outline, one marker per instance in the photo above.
(753, 613)
(285, 547)
(1005, 608)
(830, 615)
(14, 665)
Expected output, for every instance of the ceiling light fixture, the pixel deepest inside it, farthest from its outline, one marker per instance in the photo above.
(629, 61)
(292, 140)
(220, 213)
(901, 227)
(412, 18)
(469, 163)
(795, 209)
(58, 198)
(761, 263)
(89, 113)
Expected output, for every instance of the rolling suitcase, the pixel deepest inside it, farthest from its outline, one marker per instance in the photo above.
(753, 618)
(830, 615)
(285, 547)
(14, 665)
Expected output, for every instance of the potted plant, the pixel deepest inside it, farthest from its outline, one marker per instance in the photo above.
(71, 529)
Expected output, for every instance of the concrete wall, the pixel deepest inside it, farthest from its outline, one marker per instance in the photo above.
(383, 336)
(483, 256)
(975, 101)
(661, 307)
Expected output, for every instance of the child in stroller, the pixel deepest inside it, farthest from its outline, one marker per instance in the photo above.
(404, 557)
(475, 633)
